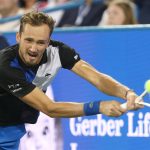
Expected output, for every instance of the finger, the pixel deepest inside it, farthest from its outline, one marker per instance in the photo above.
(131, 101)
(137, 105)
(116, 114)
(116, 111)
(130, 104)
(123, 110)
(120, 108)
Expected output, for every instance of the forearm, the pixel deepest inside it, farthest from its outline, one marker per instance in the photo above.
(38, 100)
(110, 86)
(65, 109)
(103, 82)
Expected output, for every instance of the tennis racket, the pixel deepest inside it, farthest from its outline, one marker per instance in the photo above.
(141, 97)
(138, 100)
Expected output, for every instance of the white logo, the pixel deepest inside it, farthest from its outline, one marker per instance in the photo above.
(76, 57)
(47, 74)
(14, 87)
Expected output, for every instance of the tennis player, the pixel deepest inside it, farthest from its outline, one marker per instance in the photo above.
(27, 68)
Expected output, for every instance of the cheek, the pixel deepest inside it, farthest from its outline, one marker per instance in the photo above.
(121, 18)
(22, 44)
(41, 49)
(120, 15)
(117, 18)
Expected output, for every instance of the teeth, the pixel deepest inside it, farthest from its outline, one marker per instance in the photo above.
(33, 55)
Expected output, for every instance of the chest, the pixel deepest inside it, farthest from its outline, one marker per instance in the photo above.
(47, 71)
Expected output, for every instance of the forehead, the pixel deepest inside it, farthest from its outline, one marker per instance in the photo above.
(115, 8)
(8, 2)
(42, 31)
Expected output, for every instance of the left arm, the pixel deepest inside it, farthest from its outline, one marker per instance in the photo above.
(104, 83)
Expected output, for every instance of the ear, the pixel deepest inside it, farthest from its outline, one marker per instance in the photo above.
(48, 42)
(18, 37)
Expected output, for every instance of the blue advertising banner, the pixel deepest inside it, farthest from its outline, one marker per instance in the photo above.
(122, 53)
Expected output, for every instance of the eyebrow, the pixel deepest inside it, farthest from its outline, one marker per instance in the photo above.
(28, 38)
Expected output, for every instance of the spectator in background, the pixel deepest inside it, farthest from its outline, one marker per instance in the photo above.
(57, 15)
(9, 8)
(30, 5)
(60, 1)
(119, 12)
(88, 14)
(143, 11)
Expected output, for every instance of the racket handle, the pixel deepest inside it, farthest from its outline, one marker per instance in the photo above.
(124, 105)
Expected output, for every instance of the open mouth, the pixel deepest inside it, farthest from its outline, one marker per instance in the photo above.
(33, 55)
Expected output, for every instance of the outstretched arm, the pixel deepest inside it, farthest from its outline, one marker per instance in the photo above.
(104, 82)
(38, 100)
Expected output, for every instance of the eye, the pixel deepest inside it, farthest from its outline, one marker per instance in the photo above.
(41, 42)
(28, 40)
(29, 134)
(45, 130)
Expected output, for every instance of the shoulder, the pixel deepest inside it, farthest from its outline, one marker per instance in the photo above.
(68, 56)
(56, 43)
(8, 52)
(6, 56)
(62, 47)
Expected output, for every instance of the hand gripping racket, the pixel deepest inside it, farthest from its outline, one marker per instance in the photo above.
(139, 98)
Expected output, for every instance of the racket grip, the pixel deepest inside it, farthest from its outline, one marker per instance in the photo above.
(124, 105)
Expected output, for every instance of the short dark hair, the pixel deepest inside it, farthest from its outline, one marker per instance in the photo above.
(35, 18)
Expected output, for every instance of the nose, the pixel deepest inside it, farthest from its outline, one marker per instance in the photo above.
(33, 47)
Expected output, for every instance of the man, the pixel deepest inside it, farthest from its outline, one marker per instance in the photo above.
(26, 70)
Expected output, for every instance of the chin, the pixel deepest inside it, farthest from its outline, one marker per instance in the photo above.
(31, 64)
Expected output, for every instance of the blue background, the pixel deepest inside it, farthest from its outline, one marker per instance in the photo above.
(124, 54)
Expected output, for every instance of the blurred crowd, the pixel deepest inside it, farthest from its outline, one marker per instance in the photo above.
(89, 13)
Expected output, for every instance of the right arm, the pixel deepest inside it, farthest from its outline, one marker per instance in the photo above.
(38, 100)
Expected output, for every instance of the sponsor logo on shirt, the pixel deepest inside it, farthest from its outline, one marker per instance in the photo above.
(76, 57)
(47, 74)
(14, 87)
